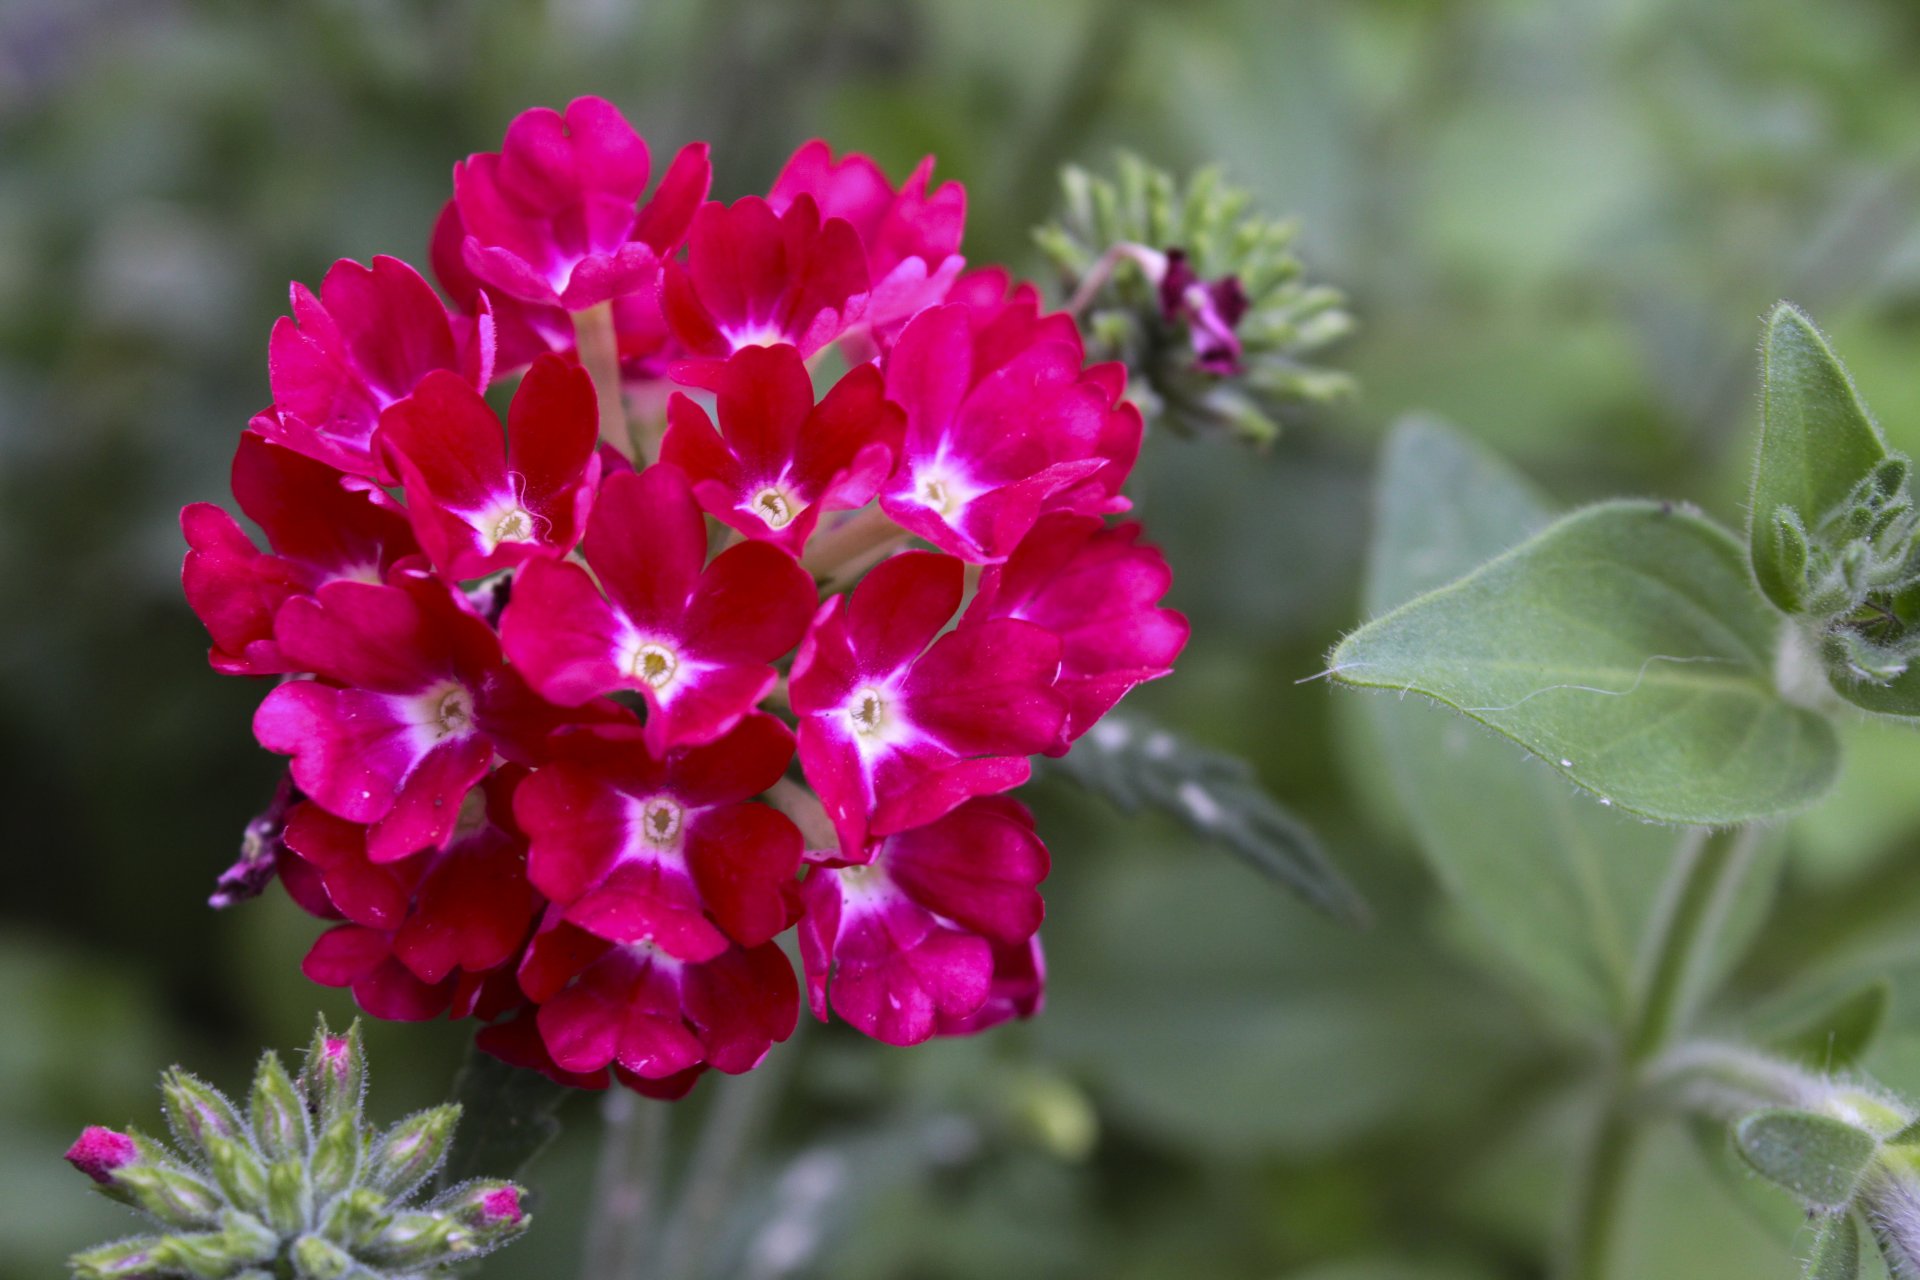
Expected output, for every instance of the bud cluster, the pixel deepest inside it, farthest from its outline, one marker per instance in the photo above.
(1854, 573)
(1201, 295)
(297, 1184)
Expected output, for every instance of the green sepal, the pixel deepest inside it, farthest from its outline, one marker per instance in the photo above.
(242, 1241)
(407, 1154)
(241, 1173)
(289, 1196)
(197, 1111)
(356, 1217)
(421, 1240)
(279, 1112)
(1836, 1251)
(1816, 1157)
(163, 1189)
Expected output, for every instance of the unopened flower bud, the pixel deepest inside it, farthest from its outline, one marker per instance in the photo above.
(241, 1241)
(335, 1075)
(196, 1110)
(279, 1113)
(134, 1259)
(98, 1152)
(289, 1196)
(356, 1217)
(317, 1259)
(409, 1152)
(240, 1173)
(336, 1157)
(421, 1240)
(493, 1209)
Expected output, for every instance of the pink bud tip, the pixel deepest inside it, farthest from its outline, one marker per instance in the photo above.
(500, 1206)
(335, 1049)
(98, 1152)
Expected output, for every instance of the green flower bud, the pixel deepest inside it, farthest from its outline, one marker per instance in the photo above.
(492, 1208)
(335, 1075)
(242, 1241)
(289, 1197)
(197, 1111)
(165, 1190)
(356, 1217)
(317, 1259)
(279, 1112)
(421, 1240)
(408, 1153)
(336, 1157)
(134, 1259)
(239, 1171)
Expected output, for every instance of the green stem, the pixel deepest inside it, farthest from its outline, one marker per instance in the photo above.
(626, 1186)
(599, 347)
(734, 1116)
(1695, 903)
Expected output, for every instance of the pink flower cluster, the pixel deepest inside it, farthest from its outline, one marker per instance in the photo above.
(543, 688)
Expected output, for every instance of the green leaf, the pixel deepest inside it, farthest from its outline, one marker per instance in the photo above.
(1133, 764)
(507, 1117)
(1839, 1035)
(1560, 888)
(1836, 1251)
(1624, 646)
(1816, 1157)
(1817, 441)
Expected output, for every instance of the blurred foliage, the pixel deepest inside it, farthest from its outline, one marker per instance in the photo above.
(1557, 221)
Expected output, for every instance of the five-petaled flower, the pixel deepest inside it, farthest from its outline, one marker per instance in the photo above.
(577, 732)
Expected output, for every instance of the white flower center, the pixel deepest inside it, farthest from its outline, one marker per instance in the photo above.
(453, 713)
(660, 822)
(653, 664)
(867, 712)
(774, 506)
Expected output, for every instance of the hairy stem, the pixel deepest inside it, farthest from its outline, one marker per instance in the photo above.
(1676, 966)
(626, 1186)
(838, 554)
(600, 356)
(734, 1117)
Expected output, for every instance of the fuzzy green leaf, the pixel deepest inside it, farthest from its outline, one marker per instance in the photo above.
(1836, 1251)
(1838, 1036)
(1216, 796)
(1561, 888)
(1817, 441)
(1625, 647)
(1816, 1157)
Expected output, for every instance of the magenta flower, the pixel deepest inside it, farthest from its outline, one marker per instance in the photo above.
(322, 527)
(657, 1021)
(1018, 990)
(753, 278)
(364, 343)
(906, 942)
(779, 461)
(898, 727)
(467, 907)
(478, 507)
(1098, 589)
(100, 1152)
(411, 704)
(697, 643)
(911, 238)
(1212, 310)
(986, 444)
(637, 848)
(551, 218)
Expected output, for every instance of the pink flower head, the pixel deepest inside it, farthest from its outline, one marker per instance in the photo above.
(778, 460)
(657, 1021)
(411, 704)
(906, 942)
(364, 343)
(551, 218)
(636, 848)
(517, 1041)
(1098, 589)
(478, 507)
(499, 1205)
(696, 643)
(1212, 310)
(898, 727)
(100, 1152)
(322, 527)
(985, 445)
(522, 330)
(754, 277)
(912, 239)
(362, 960)
(467, 907)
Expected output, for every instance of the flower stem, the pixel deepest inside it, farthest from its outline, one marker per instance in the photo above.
(840, 552)
(599, 351)
(804, 808)
(626, 1186)
(733, 1118)
(1695, 902)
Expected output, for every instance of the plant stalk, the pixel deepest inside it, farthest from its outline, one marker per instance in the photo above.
(1676, 966)
(599, 348)
(626, 1190)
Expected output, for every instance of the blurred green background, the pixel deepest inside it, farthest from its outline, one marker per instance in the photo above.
(1558, 224)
